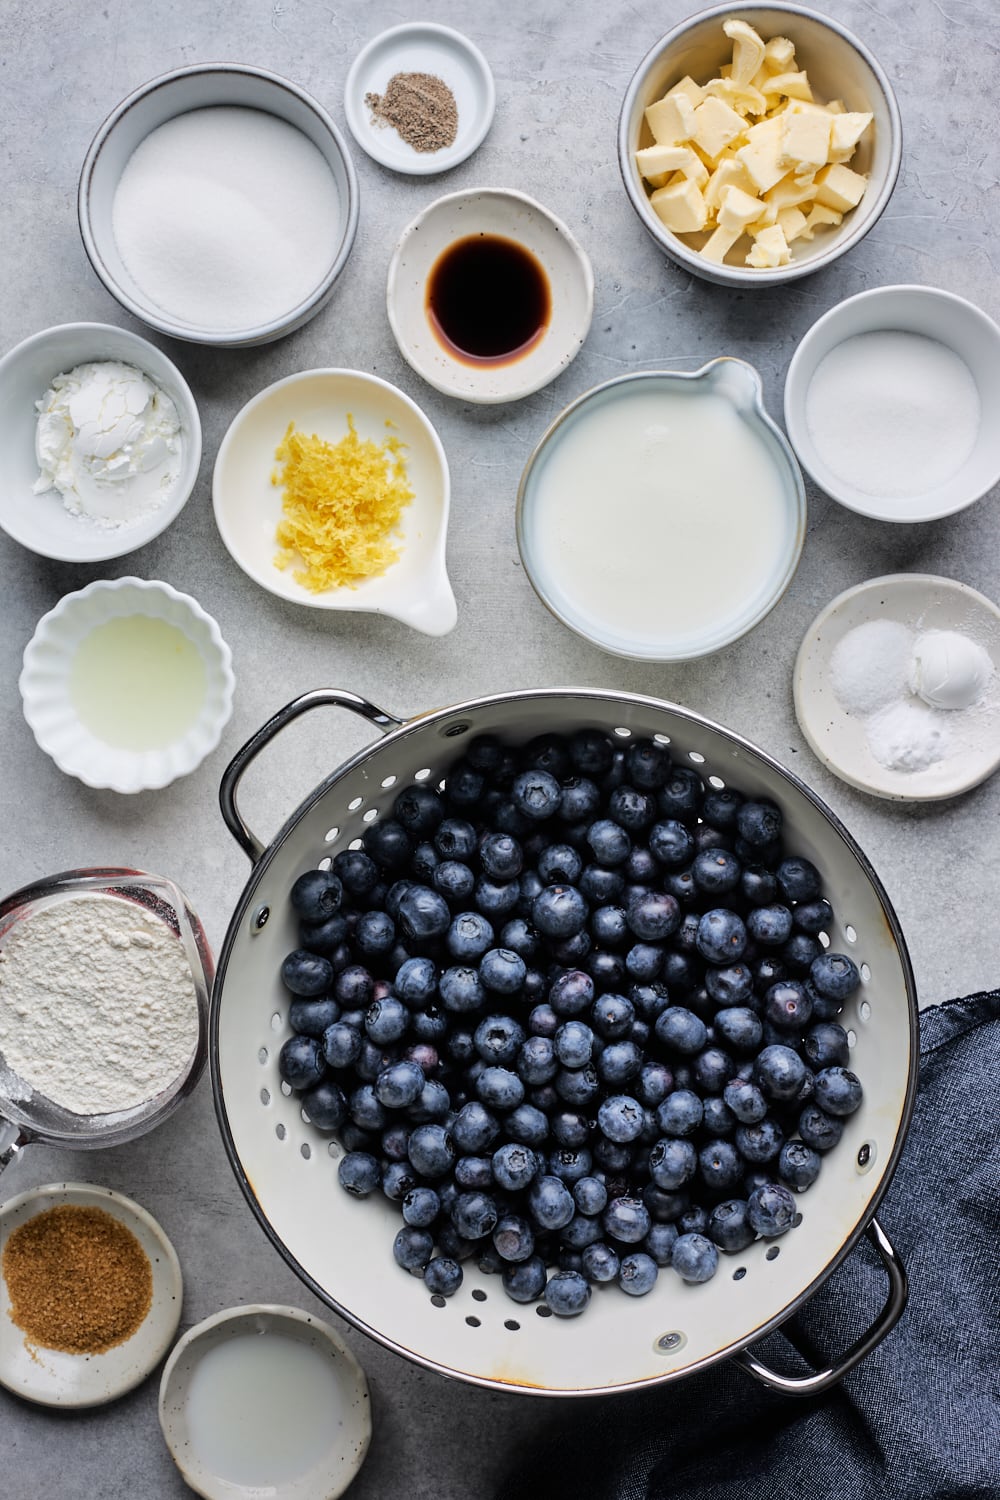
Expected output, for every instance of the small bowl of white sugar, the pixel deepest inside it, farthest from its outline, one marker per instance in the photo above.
(892, 402)
(102, 442)
(219, 204)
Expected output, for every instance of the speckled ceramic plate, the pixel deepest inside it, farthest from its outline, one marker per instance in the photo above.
(839, 738)
(239, 1423)
(53, 1378)
(420, 47)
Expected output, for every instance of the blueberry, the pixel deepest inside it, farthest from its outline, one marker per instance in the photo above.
(607, 970)
(326, 937)
(313, 1017)
(306, 974)
(771, 925)
(386, 1021)
(722, 937)
(456, 839)
(461, 990)
(620, 1118)
(681, 1113)
(760, 1143)
(356, 871)
(325, 1105)
(499, 1088)
(559, 911)
(388, 843)
(421, 1207)
(474, 1127)
(729, 1227)
(590, 751)
(719, 1166)
(397, 1179)
(631, 808)
(536, 1060)
(574, 1044)
(818, 1129)
(798, 1165)
(570, 1129)
(419, 809)
(600, 1262)
(454, 881)
(648, 763)
(601, 886)
(431, 1151)
(694, 1220)
(525, 1282)
(502, 971)
(801, 952)
(681, 794)
(456, 1247)
(423, 864)
(838, 1091)
(551, 1202)
(779, 1072)
(721, 806)
(500, 856)
(581, 1231)
(659, 1243)
(464, 786)
(650, 1000)
(799, 879)
(739, 1027)
(520, 937)
(431, 1104)
(316, 895)
(614, 1159)
(654, 917)
(442, 1276)
(835, 975)
(412, 1248)
(341, 1045)
(577, 1086)
(498, 1039)
(496, 899)
(469, 936)
(680, 1030)
(559, 864)
(759, 823)
(301, 1062)
(474, 1215)
(590, 1195)
(354, 987)
(536, 794)
(514, 1167)
(399, 1084)
(672, 1163)
(528, 1125)
(644, 962)
(513, 1238)
(637, 1274)
(664, 1206)
(787, 1005)
(771, 1210)
(619, 1063)
(716, 871)
(694, 1258)
(358, 1174)
(712, 1070)
(745, 1100)
(813, 917)
(671, 844)
(825, 1046)
(608, 841)
(609, 926)
(366, 1109)
(626, 1220)
(567, 1293)
(579, 801)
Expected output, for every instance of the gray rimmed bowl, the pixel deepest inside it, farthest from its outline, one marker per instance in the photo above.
(838, 65)
(164, 98)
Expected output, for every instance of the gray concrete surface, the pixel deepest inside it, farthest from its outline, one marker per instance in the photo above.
(561, 72)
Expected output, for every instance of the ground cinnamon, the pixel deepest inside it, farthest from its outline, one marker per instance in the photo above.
(78, 1280)
(421, 107)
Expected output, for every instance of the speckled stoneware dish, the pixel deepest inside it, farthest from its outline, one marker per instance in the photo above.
(219, 1460)
(53, 1378)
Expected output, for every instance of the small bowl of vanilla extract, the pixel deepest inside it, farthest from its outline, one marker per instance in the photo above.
(489, 295)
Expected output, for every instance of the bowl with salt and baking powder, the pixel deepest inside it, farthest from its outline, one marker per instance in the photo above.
(892, 403)
(102, 514)
(219, 204)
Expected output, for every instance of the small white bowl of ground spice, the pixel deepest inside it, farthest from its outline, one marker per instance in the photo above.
(90, 1294)
(420, 98)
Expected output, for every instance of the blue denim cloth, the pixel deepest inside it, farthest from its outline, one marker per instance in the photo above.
(919, 1419)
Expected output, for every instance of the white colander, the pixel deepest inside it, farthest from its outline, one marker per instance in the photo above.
(342, 1248)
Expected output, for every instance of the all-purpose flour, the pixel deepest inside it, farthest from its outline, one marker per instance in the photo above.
(97, 1004)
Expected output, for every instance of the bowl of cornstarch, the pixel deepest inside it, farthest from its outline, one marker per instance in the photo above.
(219, 204)
(892, 402)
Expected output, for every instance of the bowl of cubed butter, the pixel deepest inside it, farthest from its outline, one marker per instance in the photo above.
(758, 144)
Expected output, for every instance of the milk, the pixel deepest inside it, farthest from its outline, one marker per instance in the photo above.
(659, 514)
(137, 683)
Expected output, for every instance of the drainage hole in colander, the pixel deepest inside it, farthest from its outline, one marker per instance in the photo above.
(796, 1221)
(305, 1151)
(330, 835)
(669, 1343)
(773, 1253)
(325, 863)
(305, 1118)
(370, 815)
(697, 757)
(865, 1011)
(388, 781)
(276, 1022)
(454, 730)
(824, 938)
(473, 1322)
(717, 782)
(355, 844)
(354, 804)
(866, 973)
(662, 739)
(334, 1149)
(265, 1096)
(422, 774)
(479, 1295)
(852, 1037)
(438, 1301)
(509, 1323)
(850, 934)
(262, 1056)
(866, 1156)
(280, 1132)
(739, 1273)
(286, 1089)
(543, 1312)
(623, 733)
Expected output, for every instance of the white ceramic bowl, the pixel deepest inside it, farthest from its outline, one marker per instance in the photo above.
(198, 87)
(41, 522)
(420, 47)
(52, 1377)
(645, 526)
(45, 684)
(507, 215)
(415, 589)
(838, 65)
(249, 1444)
(839, 738)
(926, 310)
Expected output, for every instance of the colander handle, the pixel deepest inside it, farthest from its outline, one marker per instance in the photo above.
(12, 1138)
(233, 774)
(810, 1385)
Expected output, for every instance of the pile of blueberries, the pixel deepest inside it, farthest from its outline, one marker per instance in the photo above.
(570, 1011)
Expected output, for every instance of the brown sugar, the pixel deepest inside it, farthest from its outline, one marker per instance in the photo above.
(421, 107)
(78, 1280)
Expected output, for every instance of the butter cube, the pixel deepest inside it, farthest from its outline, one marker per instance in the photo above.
(748, 49)
(760, 156)
(719, 244)
(737, 209)
(716, 125)
(840, 188)
(743, 97)
(681, 206)
(656, 163)
(793, 223)
(693, 167)
(671, 119)
(729, 173)
(790, 192)
(820, 217)
(691, 91)
(789, 85)
(779, 55)
(846, 131)
(770, 249)
(805, 142)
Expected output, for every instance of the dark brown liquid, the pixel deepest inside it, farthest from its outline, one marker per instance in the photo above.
(488, 300)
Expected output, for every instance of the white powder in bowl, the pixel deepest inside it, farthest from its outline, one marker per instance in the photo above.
(870, 665)
(227, 218)
(97, 1004)
(908, 736)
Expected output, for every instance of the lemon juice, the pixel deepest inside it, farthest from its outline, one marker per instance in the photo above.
(137, 683)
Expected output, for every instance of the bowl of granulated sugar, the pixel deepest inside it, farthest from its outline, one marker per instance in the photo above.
(219, 204)
(892, 403)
